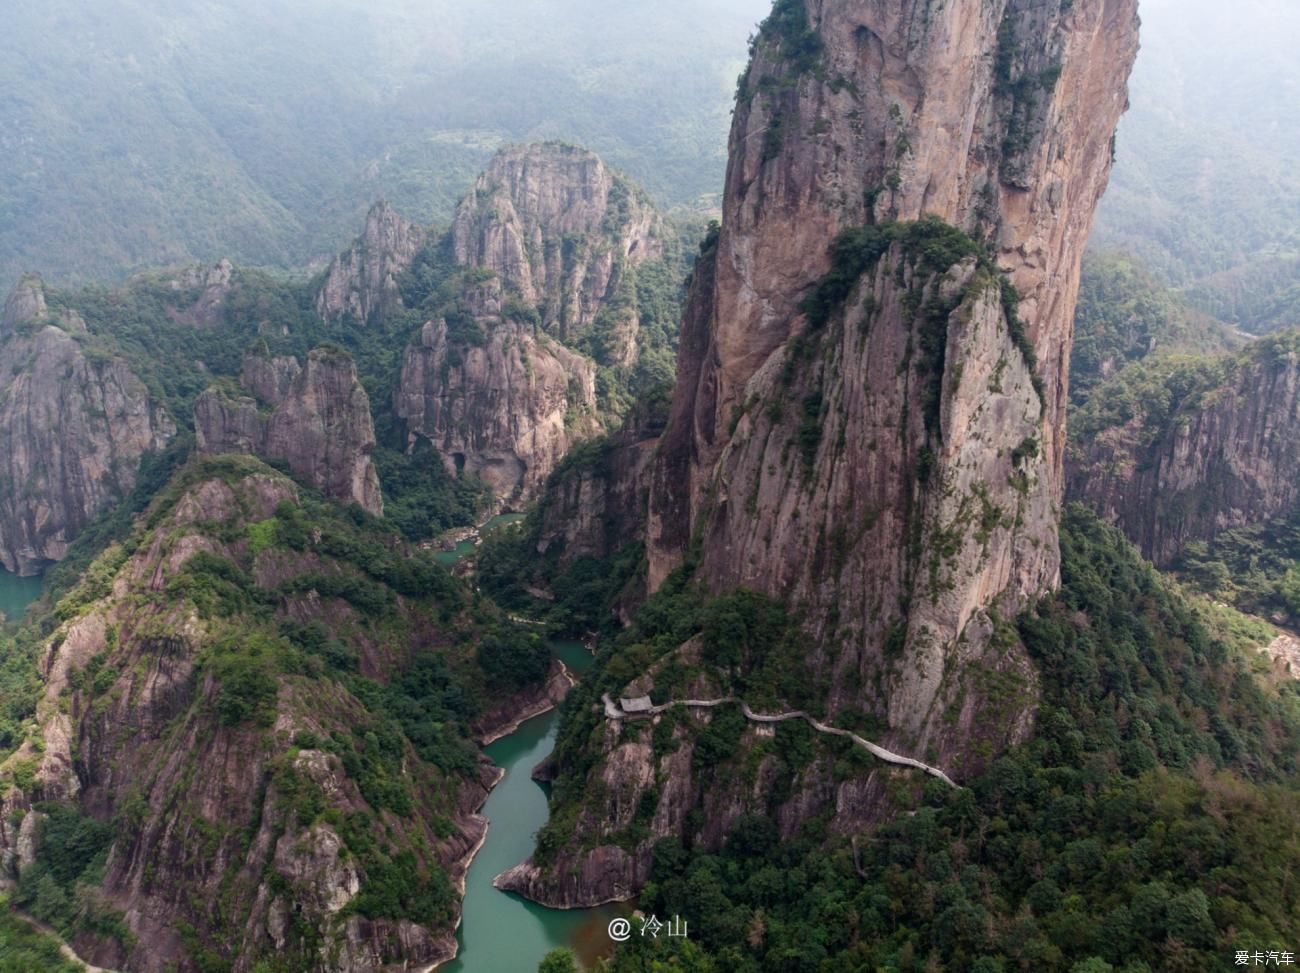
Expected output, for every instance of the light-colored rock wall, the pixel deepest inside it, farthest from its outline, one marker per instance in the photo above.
(316, 419)
(505, 409)
(361, 283)
(997, 118)
(73, 428)
(558, 227)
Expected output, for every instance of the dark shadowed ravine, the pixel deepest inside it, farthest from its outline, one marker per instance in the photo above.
(502, 933)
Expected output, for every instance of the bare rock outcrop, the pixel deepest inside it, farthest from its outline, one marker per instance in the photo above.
(316, 419)
(596, 504)
(559, 228)
(929, 411)
(361, 283)
(26, 303)
(493, 381)
(73, 428)
(206, 289)
(1220, 454)
(494, 398)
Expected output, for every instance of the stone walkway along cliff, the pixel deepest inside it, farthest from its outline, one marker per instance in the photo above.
(614, 712)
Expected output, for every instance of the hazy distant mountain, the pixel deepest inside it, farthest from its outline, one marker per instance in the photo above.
(262, 131)
(1207, 183)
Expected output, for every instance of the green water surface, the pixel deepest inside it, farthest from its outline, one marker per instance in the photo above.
(16, 594)
(467, 547)
(503, 933)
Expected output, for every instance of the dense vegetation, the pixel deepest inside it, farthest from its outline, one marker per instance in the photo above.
(1125, 315)
(1147, 825)
(23, 949)
(59, 889)
(1205, 188)
(1255, 568)
(397, 657)
(1160, 390)
(1154, 392)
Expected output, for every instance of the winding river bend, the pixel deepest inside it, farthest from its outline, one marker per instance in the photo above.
(500, 932)
(469, 545)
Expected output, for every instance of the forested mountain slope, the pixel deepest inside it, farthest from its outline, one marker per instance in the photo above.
(1206, 188)
(253, 736)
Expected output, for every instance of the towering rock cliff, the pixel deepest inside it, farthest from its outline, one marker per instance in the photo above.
(361, 283)
(561, 230)
(316, 419)
(196, 706)
(868, 423)
(25, 303)
(1213, 445)
(493, 397)
(875, 430)
(74, 425)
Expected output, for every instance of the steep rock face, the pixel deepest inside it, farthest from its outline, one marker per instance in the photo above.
(995, 118)
(362, 282)
(73, 428)
(210, 288)
(211, 810)
(316, 419)
(868, 424)
(26, 302)
(495, 399)
(597, 503)
(1225, 458)
(559, 228)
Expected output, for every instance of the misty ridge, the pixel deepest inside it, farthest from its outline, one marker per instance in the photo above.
(139, 137)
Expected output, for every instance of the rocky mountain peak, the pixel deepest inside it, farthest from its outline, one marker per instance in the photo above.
(868, 418)
(495, 399)
(73, 430)
(269, 379)
(204, 291)
(889, 164)
(315, 418)
(995, 118)
(362, 281)
(557, 226)
(25, 303)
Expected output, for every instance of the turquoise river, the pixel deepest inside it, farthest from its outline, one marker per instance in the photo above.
(16, 594)
(503, 933)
